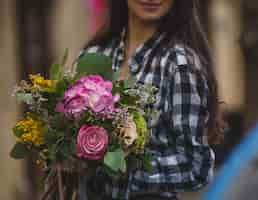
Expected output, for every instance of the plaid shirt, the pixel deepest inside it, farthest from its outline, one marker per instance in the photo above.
(182, 158)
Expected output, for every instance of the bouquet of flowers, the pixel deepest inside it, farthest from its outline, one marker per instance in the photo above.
(83, 124)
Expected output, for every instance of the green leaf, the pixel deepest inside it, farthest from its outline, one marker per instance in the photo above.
(147, 163)
(63, 84)
(95, 63)
(51, 137)
(116, 75)
(17, 131)
(115, 160)
(128, 100)
(130, 83)
(19, 151)
(67, 149)
(55, 72)
(66, 54)
(118, 87)
(52, 152)
(25, 97)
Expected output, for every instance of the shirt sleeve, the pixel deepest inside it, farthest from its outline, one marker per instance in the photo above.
(189, 116)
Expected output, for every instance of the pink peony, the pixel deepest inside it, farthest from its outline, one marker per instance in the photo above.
(92, 142)
(89, 92)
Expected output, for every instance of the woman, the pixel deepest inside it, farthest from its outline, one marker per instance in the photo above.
(162, 42)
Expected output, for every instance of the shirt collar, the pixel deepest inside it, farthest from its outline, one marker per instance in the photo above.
(142, 52)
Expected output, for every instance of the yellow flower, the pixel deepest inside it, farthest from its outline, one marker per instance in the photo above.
(40, 84)
(31, 131)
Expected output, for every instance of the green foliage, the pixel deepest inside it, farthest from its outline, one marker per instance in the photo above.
(62, 85)
(55, 72)
(17, 131)
(146, 161)
(140, 161)
(116, 75)
(130, 83)
(118, 87)
(60, 123)
(51, 137)
(109, 173)
(108, 125)
(60, 150)
(52, 152)
(90, 118)
(143, 133)
(25, 97)
(19, 151)
(87, 118)
(60, 138)
(53, 98)
(128, 100)
(50, 104)
(115, 160)
(125, 98)
(95, 63)
(65, 57)
(60, 131)
(66, 149)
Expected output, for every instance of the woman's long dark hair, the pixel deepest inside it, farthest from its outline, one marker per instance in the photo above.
(181, 24)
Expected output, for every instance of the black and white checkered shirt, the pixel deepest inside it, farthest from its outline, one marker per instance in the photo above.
(182, 158)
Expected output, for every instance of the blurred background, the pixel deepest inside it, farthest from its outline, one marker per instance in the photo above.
(34, 34)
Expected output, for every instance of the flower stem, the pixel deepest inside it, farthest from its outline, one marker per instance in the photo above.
(60, 182)
(50, 189)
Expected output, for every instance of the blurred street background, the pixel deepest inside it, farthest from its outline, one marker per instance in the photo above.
(34, 34)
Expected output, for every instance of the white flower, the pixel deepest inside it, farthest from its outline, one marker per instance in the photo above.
(129, 131)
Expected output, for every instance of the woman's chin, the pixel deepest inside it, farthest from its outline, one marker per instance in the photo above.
(150, 17)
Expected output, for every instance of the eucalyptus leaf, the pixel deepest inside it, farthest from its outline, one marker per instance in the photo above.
(115, 160)
(25, 97)
(19, 151)
(95, 63)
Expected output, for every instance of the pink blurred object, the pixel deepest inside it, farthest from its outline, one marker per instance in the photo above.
(98, 6)
(97, 10)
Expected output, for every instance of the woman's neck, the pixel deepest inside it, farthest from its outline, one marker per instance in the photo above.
(138, 32)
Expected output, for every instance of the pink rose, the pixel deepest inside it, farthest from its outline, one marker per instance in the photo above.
(89, 92)
(92, 142)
